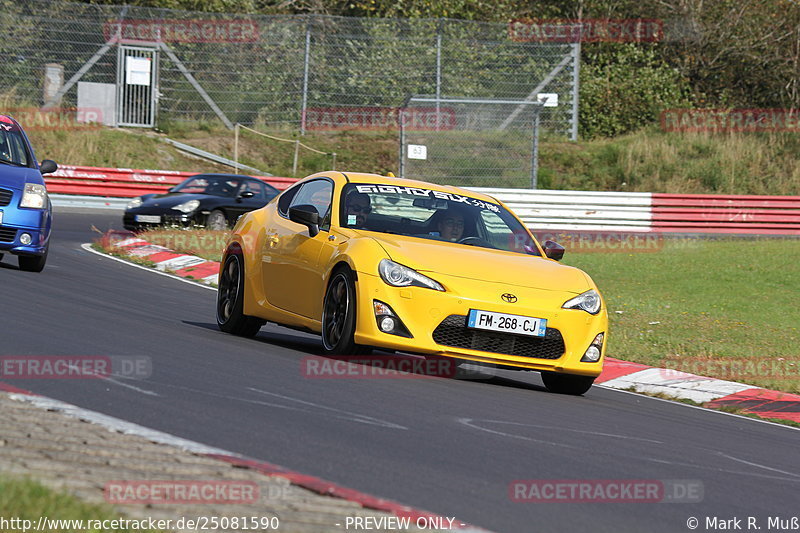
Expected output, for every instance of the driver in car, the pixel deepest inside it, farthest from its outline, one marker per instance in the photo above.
(451, 226)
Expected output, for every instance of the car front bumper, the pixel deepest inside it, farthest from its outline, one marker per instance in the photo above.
(168, 217)
(437, 322)
(16, 222)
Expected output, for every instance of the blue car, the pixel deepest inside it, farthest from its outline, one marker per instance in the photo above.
(25, 209)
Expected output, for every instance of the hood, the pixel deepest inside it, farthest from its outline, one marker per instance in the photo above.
(12, 177)
(483, 264)
(170, 199)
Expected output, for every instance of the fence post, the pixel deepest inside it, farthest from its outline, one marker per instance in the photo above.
(296, 153)
(401, 120)
(236, 147)
(306, 58)
(576, 51)
(438, 69)
(535, 150)
(334, 160)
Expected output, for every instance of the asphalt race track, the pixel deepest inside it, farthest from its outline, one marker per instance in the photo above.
(448, 446)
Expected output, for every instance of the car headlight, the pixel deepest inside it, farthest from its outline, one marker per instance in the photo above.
(589, 301)
(398, 275)
(34, 196)
(136, 202)
(187, 207)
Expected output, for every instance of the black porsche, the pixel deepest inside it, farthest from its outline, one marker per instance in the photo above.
(211, 200)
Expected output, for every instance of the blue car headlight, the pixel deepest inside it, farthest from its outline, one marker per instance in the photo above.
(136, 202)
(34, 196)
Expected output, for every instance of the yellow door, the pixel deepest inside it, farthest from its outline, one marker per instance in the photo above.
(291, 266)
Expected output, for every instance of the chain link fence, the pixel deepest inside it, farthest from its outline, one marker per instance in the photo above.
(470, 142)
(313, 73)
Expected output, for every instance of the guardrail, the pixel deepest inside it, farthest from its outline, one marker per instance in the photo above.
(565, 211)
(577, 210)
(652, 212)
(125, 182)
(709, 213)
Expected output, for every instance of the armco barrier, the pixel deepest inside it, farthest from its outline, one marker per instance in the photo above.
(653, 212)
(708, 213)
(564, 211)
(124, 182)
(577, 210)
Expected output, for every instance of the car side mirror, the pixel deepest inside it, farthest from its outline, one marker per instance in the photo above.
(553, 250)
(306, 215)
(48, 166)
(245, 195)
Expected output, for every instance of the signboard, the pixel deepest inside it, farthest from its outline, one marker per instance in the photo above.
(417, 151)
(137, 70)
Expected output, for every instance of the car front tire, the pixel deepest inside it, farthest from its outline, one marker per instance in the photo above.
(216, 220)
(567, 383)
(230, 300)
(339, 316)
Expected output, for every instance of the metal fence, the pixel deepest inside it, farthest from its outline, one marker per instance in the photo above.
(308, 72)
(476, 142)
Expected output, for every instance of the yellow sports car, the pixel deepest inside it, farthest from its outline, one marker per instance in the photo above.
(373, 261)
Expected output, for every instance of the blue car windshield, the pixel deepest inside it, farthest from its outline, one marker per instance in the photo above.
(435, 215)
(12, 146)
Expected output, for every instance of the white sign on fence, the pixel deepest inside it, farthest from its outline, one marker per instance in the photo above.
(417, 151)
(137, 70)
(549, 99)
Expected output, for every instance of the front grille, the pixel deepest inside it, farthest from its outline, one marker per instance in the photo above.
(5, 196)
(453, 332)
(7, 234)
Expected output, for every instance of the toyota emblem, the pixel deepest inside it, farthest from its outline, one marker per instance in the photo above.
(508, 297)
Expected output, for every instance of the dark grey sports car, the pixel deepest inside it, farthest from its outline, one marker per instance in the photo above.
(211, 200)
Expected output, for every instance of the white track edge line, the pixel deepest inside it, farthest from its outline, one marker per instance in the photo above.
(115, 424)
(88, 247)
(700, 407)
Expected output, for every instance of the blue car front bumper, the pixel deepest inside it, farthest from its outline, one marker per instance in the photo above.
(17, 221)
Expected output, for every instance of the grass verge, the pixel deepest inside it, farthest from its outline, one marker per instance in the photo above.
(25, 499)
(720, 307)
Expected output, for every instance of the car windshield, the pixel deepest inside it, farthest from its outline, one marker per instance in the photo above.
(433, 215)
(12, 146)
(213, 185)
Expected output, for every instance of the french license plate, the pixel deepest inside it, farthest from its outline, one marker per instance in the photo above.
(518, 324)
(149, 219)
